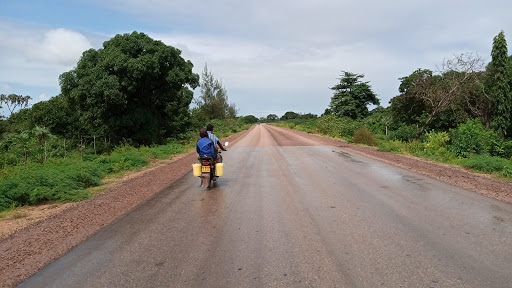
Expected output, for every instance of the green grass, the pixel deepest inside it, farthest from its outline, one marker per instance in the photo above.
(487, 164)
(68, 179)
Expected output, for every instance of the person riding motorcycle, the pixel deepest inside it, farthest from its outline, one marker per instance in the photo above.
(204, 145)
(216, 143)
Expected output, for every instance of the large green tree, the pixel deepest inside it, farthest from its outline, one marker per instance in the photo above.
(498, 84)
(213, 101)
(272, 117)
(437, 100)
(133, 88)
(352, 96)
(407, 108)
(57, 116)
(290, 115)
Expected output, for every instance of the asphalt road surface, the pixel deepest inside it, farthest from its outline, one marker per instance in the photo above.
(292, 213)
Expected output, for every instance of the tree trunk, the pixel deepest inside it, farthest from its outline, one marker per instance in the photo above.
(82, 148)
(424, 126)
(45, 155)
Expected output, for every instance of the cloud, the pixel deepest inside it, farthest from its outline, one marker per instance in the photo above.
(32, 56)
(275, 55)
(5, 88)
(58, 47)
(44, 97)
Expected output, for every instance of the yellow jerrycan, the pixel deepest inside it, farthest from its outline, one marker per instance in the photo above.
(219, 169)
(196, 168)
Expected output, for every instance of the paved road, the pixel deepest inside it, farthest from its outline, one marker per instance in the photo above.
(290, 213)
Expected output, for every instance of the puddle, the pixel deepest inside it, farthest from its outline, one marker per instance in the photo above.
(347, 156)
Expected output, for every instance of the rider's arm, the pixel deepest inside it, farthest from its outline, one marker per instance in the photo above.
(221, 147)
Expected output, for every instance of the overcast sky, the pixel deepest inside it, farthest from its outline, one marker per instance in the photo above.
(273, 56)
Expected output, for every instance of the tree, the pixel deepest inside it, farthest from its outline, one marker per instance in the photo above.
(134, 88)
(14, 101)
(57, 116)
(352, 97)
(498, 85)
(379, 120)
(249, 119)
(427, 95)
(213, 101)
(289, 115)
(308, 116)
(272, 117)
(477, 101)
(407, 108)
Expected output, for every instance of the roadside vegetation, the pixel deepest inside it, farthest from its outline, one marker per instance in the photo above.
(460, 114)
(121, 108)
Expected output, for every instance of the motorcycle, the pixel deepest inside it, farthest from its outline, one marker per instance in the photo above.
(209, 169)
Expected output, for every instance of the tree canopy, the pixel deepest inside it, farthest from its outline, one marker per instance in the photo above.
(352, 97)
(14, 101)
(438, 100)
(213, 101)
(133, 88)
(289, 115)
(272, 117)
(499, 86)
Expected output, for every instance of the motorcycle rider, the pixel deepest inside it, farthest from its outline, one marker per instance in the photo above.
(216, 143)
(204, 145)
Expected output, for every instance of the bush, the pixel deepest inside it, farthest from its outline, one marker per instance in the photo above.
(488, 164)
(62, 181)
(501, 148)
(363, 136)
(412, 147)
(390, 146)
(507, 149)
(404, 133)
(436, 142)
(473, 138)
(328, 125)
(338, 127)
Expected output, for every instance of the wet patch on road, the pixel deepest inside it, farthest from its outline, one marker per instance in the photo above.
(349, 157)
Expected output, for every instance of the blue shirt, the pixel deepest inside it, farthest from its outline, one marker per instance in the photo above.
(213, 138)
(204, 147)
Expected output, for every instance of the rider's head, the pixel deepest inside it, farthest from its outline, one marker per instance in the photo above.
(209, 127)
(203, 133)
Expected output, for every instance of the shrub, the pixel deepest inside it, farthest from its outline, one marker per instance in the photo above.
(363, 136)
(436, 142)
(483, 163)
(389, 146)
(63, 181)
(472, 138)
(500, 148)
(404, 133)
(328, 125)
(412, 147)
(507, 149)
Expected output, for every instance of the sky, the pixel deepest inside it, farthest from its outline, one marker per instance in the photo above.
(272, 56)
